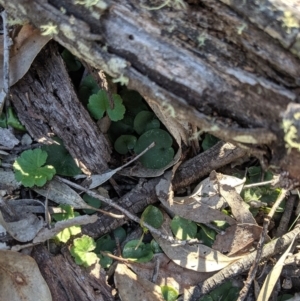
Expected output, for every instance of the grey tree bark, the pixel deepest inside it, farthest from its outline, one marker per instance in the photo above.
(229, 67)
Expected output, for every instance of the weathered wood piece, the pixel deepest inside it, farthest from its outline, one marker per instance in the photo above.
(68, 281)
(46, 102)
(217, 66)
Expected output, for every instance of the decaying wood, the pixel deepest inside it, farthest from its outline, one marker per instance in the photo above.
(46, 102)
(231, 71)
(69, 282)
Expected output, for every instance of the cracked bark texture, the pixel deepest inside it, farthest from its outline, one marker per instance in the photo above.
(230, 67)
(46, 102)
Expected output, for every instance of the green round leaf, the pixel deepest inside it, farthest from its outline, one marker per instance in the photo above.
(133, 102)
(161, 154)
(72, 63)
(96, 203)
(60, 158)
(125, 143)
(120, 234)
(117, 113)
(155, 247)
(183, 228)
(206, 235)
(169, 293)
(145, 120)
(142, 253)
(81, 251)
(29, 168)
(105, 243)
(99, 104)
(87, 87)
(105, 261)
(152, 216)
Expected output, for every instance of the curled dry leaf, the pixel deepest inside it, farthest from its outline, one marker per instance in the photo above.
(237, 239)
(47, 233)
(21, 278)
(189, 207)
(27, 44)
(198, 257)
(61, 193)
(25, 229)
(239, 208)
(169, 273)
(131, 287)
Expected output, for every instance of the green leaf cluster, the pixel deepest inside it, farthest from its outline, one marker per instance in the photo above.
(11, 119)
(69, 213)
(30, 169)
(266, 194)
(99, 104)
(60, 158)
(82, 251)
(138, 251)
(138, 129)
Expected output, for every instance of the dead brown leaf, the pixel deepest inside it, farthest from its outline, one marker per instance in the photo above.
(132, 287)
(27, 44)
(191, 208)
(24, 229)
(238, 239)
(195, 257)
(169, 273)
(21, 278)
(239, 208)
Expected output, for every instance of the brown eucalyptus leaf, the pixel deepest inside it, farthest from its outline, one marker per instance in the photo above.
(188, 207)
(27, 44)
(237, 239)
(61, 193)
(239, 209)
(131, 287)
(169, 273)
(198, 258)
(47, 233)
(208, 193)
(25, 229)
(21, 278)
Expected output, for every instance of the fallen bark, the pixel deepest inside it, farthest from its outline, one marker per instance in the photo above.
(46, 102)
(228, 72)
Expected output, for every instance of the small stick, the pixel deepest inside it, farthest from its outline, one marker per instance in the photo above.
(126, 212)
(286, 216)
(258, 184)
(253, 270)
(6, 47)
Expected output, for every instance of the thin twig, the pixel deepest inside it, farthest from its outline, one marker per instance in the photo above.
(286, 216)
(253, 270)
(121, 209)
(6, 47)
(258, 184)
